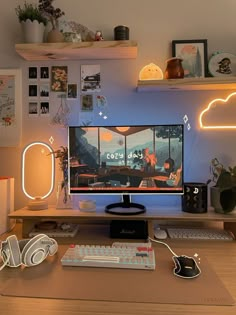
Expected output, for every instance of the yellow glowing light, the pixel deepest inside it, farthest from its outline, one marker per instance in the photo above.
(224, 101)
(23, 169)
(151, 72)
(122, 129)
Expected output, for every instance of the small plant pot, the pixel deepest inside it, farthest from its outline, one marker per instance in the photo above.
(222, 201)
(33, 31)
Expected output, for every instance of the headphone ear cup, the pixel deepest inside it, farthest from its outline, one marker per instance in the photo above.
(10, 250)
(36, 250)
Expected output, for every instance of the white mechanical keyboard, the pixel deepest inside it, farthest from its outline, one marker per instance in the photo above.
(199, 234)
(119, 255)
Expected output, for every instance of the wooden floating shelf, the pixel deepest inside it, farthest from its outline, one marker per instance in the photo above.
(188, 84)
(125, 49)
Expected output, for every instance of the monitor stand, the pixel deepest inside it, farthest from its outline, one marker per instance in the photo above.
(126, 207)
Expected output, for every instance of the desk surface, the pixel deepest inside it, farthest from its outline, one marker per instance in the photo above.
(221, 256)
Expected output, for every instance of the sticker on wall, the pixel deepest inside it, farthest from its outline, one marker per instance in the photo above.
(102, 106)
(86, 118)
(59, 78)
(33, 109)
(72, 91)
(44, 73)
(185, 119)
(32, 73)
(86, 103)
(90, 78)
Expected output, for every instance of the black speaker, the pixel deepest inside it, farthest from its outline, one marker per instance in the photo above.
(129, 229)
(194, 199)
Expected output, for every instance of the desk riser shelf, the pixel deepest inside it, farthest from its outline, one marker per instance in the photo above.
(30, 218)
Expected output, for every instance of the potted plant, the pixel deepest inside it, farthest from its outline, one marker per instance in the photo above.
(223, 192)
(52, 14)
(32, 21)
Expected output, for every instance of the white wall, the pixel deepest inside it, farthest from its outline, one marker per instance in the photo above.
(154, 24)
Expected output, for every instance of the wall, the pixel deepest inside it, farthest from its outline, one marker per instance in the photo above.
(154, 24)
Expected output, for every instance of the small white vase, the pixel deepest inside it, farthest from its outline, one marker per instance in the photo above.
(33, 31)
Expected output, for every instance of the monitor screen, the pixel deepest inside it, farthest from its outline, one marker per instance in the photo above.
(137, 159)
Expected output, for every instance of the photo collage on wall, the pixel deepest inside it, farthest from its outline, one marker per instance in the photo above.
(43, 80)
(90, 93)
(38, 91)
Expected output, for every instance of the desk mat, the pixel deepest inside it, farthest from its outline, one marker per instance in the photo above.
(51, 280)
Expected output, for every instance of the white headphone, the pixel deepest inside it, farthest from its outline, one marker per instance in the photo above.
(28, 252)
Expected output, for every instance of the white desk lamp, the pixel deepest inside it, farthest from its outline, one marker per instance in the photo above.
(38, 202)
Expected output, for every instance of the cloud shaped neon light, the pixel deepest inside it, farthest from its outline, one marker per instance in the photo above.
(224, 101)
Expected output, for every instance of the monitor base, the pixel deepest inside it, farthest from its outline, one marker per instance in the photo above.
(126, 207)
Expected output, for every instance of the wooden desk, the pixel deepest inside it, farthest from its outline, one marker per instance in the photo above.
(221, 256)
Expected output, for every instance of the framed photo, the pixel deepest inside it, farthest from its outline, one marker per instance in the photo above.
(194, 56)
(10, 107)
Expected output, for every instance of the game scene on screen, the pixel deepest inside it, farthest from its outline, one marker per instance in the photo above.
(126, 158)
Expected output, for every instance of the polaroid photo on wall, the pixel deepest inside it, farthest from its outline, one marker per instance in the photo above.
(44, 108)
(44, 90)
(33, 73)
(72, 89)
(90, 78)
(86, 103)
(33, 90)
(33, 109)
(44, 73)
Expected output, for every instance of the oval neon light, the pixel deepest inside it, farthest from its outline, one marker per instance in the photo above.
(23, 169)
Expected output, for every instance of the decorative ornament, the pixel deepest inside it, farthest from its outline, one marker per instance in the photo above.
(151, 72)
(61, 117)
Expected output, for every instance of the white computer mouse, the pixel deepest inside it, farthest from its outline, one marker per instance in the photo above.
(160, 234)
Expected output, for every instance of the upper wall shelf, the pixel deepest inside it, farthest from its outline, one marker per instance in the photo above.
(125, 49)
(216, 83)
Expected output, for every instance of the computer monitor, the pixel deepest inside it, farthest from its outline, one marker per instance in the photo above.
(126, 160)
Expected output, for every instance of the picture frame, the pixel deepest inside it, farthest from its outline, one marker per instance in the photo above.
(11, 107)
(194, 56)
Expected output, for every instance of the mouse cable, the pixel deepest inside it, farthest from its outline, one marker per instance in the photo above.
(163, 243)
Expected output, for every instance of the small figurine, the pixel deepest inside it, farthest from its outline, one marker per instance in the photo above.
(98, 36)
